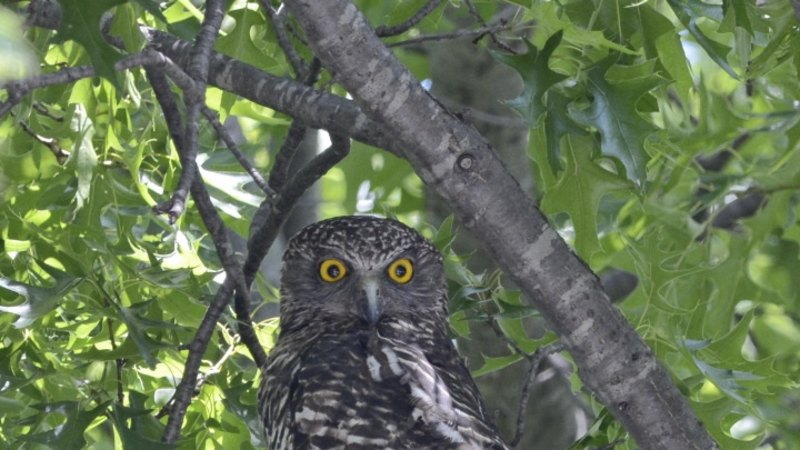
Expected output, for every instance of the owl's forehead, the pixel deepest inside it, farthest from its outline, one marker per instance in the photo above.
(369, 239)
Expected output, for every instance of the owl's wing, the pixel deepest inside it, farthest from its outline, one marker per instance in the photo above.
(445, 399)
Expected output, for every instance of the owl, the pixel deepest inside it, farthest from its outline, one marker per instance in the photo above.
(364, 359)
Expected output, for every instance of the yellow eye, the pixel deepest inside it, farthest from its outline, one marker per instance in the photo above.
(401, 271)
(332, 270)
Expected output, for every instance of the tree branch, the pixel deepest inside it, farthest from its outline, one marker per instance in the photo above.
(271, 214)
(18, 89)
(743, 207)
(316, 109)
(456, 162)
(194, 100)
(474, 13)
(234, 281)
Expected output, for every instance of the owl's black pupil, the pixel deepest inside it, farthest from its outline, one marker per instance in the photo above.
(400, 271)
(333, 271)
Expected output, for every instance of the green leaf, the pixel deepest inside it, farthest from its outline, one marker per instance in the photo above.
(38, 300)
(665, 43)
(714, 414)
(721, 362)
(688, 11)
(558, 124)
(493, 364)
(613, 112)
(69, 435)
(83, 153)
(549, 20)
(138, 428)
(137, 324)
(238, 43)
(579, 192)
(776, 332)
(776, 267)
(730, 277)
(81, 22)
(537, 76)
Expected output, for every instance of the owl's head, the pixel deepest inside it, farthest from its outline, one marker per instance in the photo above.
(361, 271)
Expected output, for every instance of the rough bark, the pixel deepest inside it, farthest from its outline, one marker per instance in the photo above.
(456, 161)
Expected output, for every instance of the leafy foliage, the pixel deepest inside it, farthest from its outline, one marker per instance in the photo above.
(647, 114)
(624, 100)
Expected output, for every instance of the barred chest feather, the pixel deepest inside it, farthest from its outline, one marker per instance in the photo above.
(367, 389)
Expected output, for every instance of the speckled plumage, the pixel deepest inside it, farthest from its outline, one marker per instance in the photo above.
(339, 378)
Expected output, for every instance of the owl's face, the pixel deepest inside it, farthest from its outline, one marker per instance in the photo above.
(360, 271)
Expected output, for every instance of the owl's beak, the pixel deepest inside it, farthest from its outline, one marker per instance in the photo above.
(372, 305)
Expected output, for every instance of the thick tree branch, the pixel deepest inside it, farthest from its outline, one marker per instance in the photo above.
(273, 212)
(456, 162)
(316, 109)
(194, 100)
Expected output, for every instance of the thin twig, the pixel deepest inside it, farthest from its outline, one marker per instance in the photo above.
(393, 30)
(119, 362)
(534, 360)
(717, 160)
(459, 34)
(216, 368)
(314, 70)
(233, 269)
(492, 321)
(524, 397)
(226, 137)
(277, 17)
(16, 90)
(474, 13)
(58, 151)
(41, 109)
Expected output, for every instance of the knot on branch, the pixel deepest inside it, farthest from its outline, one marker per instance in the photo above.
(466, 162)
